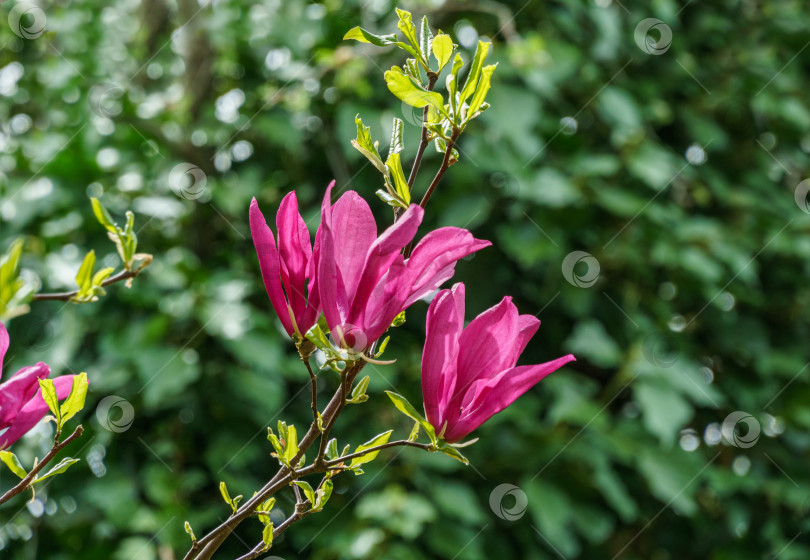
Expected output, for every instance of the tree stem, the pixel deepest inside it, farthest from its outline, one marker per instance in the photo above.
(67, 296)
(26, 482)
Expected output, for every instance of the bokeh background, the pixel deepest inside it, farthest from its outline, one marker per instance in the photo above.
(669, 153)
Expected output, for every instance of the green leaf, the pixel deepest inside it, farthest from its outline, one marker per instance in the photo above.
(290, 444)
(359, 392)
(308, 491)
(223, 489)
(406, 89)
(443, 48)
(408, 410)
(190, 531)
(375, 441)
(481, 92)
(266, 506)
(390, 199)
(49, 395)
(59, 468)
(12, 294)
(323, 494)
(331, 449)
(367, 147)
(360, 34)
(75, 401)
(267, 536)
(100, 276)
(102, 215)
(405, 25)
(84, 278)
(414, 435)
(425, 39)
(475, 70)
(14, 465)
(399, 320)
(403, 192)
(452, 452)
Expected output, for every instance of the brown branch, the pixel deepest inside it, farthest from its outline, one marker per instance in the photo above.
(26, 482)
(314, 382)
(205, 547)
(448, 153)
(67, 296)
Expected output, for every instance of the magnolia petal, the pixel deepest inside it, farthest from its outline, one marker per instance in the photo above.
(295, 252)
(433, 259)
(15, 392)
(381, 256)
(33, 411)
(354, 231)
(489, 397)
(265, 245)
(445, 321)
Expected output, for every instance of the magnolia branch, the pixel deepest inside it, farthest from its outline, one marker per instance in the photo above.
(204, 548)
(68, 296)
(29, 478)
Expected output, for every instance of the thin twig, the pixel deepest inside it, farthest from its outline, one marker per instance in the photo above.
(339, 460)
(26, 482)
(448, 154)
(423, 144)
(314, 381)
(67, 296)
(205, 547)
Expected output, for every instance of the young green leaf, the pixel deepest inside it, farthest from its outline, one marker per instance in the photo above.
(400, 186)
(267, 536)
(359, 392)
(481, 92)
(84, 278)
(453, 452)
(379, 439)
(360, 34)
(331, 449)
(366, 146)
(266, 507)
(323, 494)
(405, 88)
(405, 25)
(408, 410)
(102, 215)
(290, 444)
(59, 468)
(75, 401)
(443, 48)
(308, 491)
(14, 465)
(390, 199)
(475, 70)
(50, 398)
(12, 292)
(425, 39)
(190, 531)
(223, 489)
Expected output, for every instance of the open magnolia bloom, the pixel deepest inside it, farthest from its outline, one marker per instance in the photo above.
(364, 280)
(469, 374)
(21, 402)
(287, 271)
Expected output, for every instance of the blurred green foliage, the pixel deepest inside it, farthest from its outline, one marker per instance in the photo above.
(677, 172)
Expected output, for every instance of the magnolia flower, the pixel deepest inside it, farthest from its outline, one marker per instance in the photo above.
(364, 280)
(469, 374)
(288, 272)
(21, 402)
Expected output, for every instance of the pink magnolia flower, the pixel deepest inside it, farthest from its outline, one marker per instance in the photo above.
(288, 272)
(469, 374)
(21, 402)
(364, 280)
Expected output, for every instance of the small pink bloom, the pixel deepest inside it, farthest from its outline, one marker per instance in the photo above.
(287, 271)
(21, 402)
(469, 374)
(364, 281)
